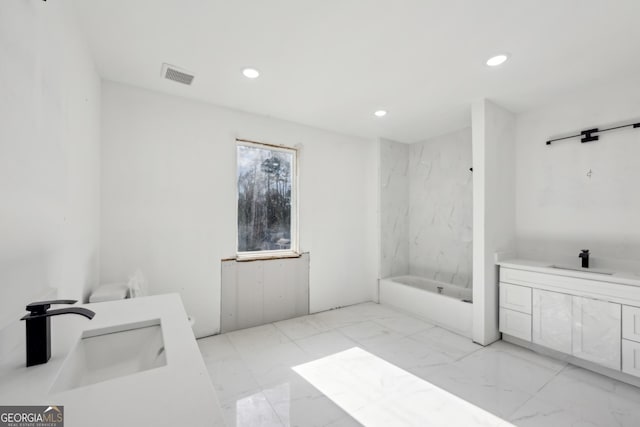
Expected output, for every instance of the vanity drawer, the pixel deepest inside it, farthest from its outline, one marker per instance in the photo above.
(515, 324)
(631, 357)
(631, 323)
(515, 297)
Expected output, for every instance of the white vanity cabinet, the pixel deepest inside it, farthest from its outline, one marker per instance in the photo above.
(583, 327)
(596, 331)
(593, 320)
(631, 357)
(515, 324)
(631, 323)
(515, 311)
(631, 340)
(552, 320)
(515, 298)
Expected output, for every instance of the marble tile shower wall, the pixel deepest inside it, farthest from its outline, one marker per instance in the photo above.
(394, 208)
(440, 208)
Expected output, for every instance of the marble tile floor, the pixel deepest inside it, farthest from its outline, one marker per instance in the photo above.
(252, 372)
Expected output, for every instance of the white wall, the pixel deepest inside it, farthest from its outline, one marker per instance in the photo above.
(561, 210)
(169, 201)
(441, 213)
(426, 208)
(494, 215)
(394, 208)
(49, 148)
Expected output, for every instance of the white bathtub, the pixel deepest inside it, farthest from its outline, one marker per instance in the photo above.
(443, 304)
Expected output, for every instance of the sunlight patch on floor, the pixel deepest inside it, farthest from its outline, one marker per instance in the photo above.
(377, 393)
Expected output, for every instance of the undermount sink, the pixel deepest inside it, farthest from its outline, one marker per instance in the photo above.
(108, 353)
(583, 270)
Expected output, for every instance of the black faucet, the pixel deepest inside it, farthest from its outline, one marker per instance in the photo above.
(585, 258)
(39, 327)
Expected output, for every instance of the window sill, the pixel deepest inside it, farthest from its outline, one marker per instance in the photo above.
(265, 256)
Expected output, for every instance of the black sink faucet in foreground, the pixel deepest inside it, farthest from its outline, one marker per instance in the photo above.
(585, 258)
(39, 328)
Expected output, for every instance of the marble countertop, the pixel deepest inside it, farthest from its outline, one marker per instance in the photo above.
(179, 393)
(623, 278)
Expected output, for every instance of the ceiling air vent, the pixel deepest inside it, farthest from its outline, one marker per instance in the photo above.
(177, 74)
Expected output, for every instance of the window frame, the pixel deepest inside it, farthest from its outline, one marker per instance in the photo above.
(293, 251)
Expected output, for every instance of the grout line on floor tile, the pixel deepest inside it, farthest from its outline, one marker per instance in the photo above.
(534, 395)
(469, 354)
(551, 379)
(510, 415)
(405, 335)
(294, 339)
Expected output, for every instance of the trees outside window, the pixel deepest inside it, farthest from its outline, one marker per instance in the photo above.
(266, 199)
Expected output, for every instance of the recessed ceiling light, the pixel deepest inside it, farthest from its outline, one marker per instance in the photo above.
(251, 73)
(494, 61)
(380, 113)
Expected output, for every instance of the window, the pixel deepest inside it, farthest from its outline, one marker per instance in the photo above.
(267, 214)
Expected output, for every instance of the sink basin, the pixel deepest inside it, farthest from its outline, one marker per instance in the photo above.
(109, 353)
(583, 270)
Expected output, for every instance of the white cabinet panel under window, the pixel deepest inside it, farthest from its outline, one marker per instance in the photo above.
(263, 291)
(552, 321)
(596, 331)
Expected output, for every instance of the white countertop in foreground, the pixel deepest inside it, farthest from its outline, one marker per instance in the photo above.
(623, 278)
(178, 394)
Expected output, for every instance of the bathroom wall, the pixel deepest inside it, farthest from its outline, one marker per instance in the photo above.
(426, 208)
(573, 196)
(441, 212)
(394, 208)
(494, 215)
(169, 199)
(49, 164)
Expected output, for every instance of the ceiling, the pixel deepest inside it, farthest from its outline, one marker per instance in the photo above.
(332, 63)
